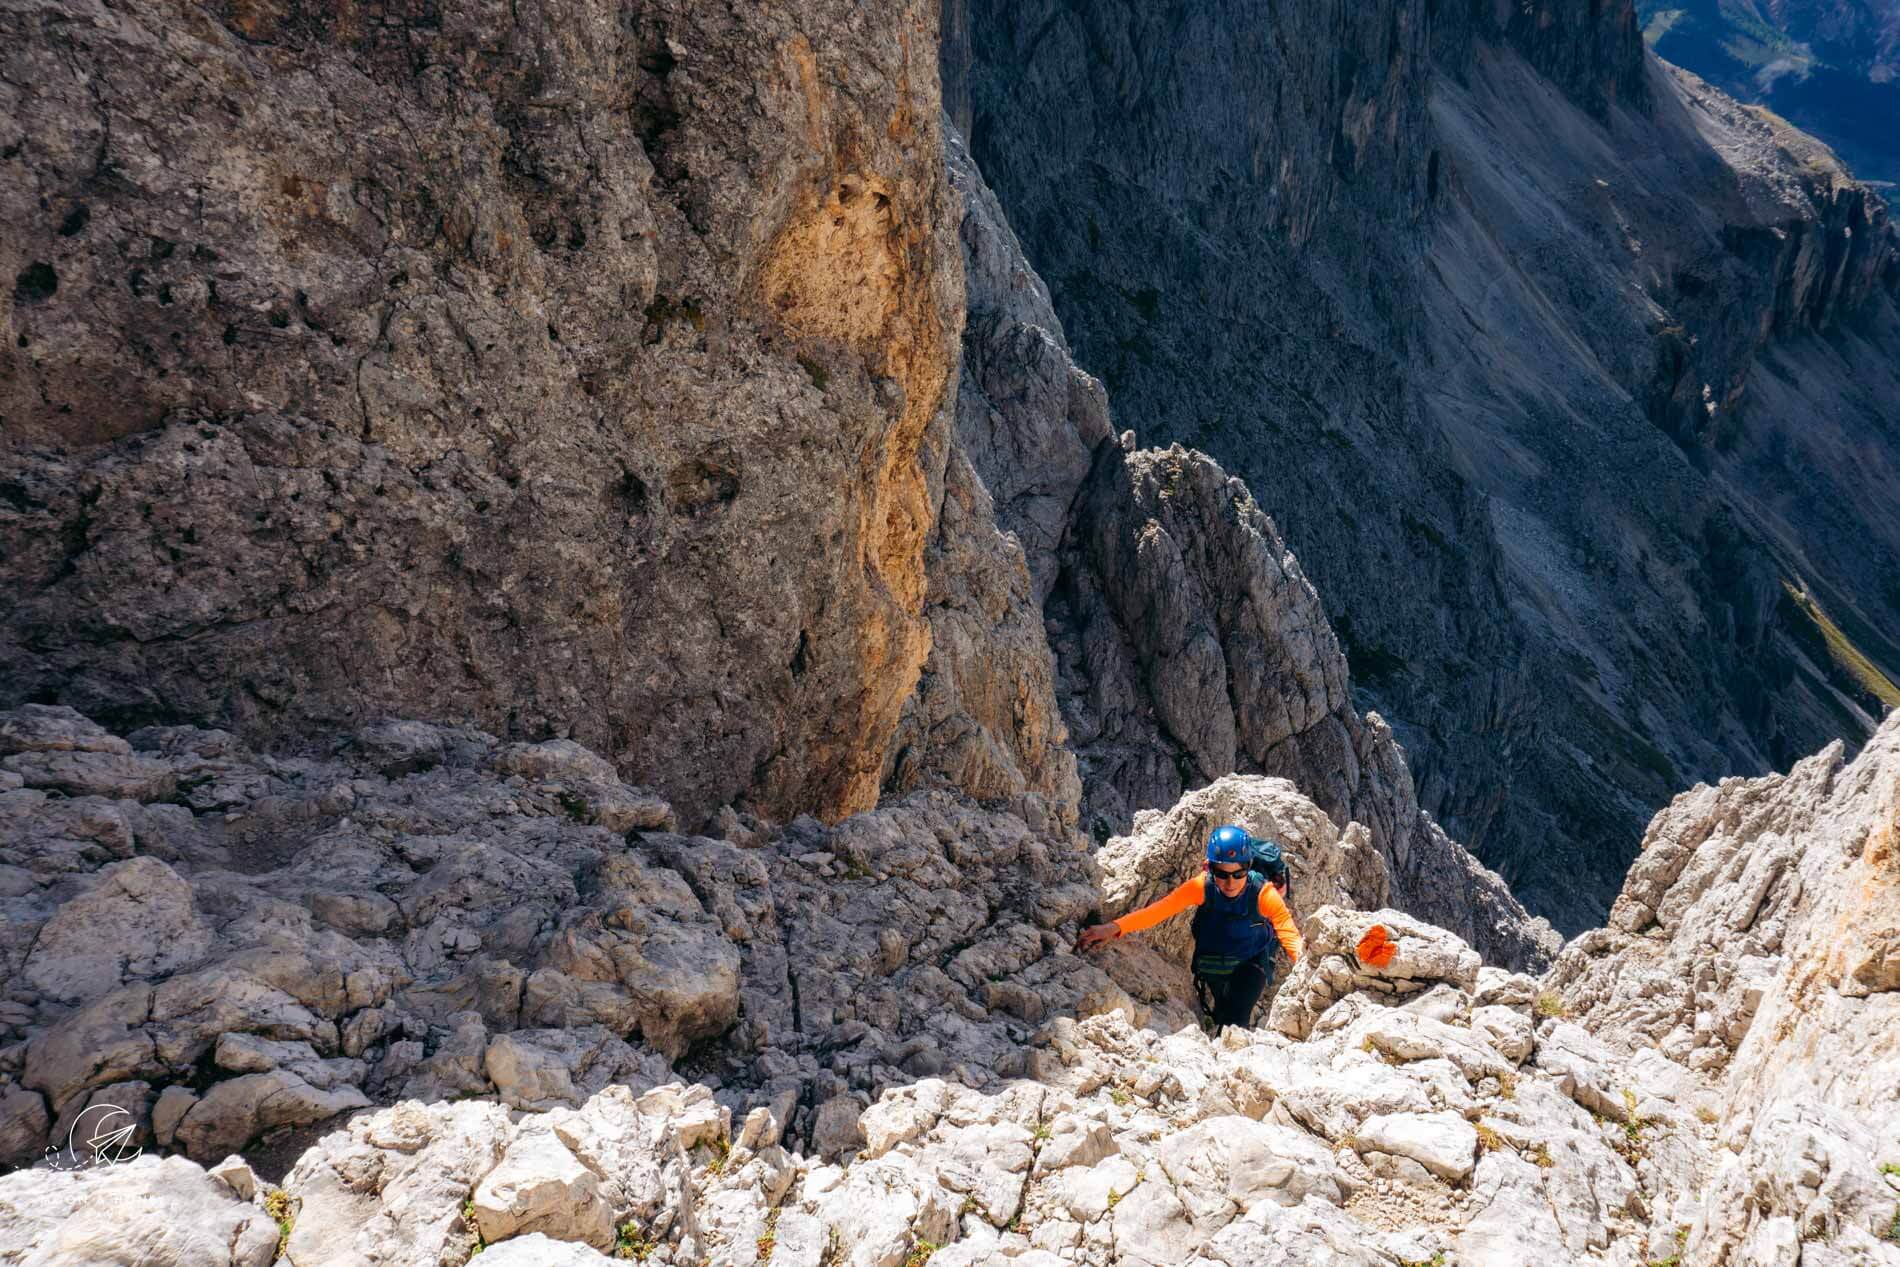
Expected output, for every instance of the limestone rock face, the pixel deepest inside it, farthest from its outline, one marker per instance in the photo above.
(540, 1186)
(577, 372)
(1751, 955)
(137, 922)
(984, 717)
(238, 1110)
(319, 932)
(165, 1212)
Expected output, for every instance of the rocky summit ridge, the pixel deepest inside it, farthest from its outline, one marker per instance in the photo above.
(922, 1070)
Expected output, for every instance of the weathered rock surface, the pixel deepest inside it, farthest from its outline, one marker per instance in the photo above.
(317, 929)
(984, 717)
(431, 914)
(1373, 1140)
(921, 1063)
(165, 1212)
(1752, 959)
(574, 372)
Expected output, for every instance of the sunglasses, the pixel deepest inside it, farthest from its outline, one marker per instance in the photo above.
(1222, 873)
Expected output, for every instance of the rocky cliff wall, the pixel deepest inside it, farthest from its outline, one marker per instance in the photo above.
(1445, 288)
(1757, 943)
(567, 370)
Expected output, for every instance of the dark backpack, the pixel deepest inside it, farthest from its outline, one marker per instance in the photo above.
(1269, 863)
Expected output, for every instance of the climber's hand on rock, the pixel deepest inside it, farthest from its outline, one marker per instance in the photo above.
(1095, 936)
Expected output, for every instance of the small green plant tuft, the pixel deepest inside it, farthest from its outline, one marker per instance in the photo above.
(920, 1253)
(277, 1205)
(1632, 1146)
(1541, 1155)
(768, 1241)
(1118, 1095)
(1550, 1003)
(1507, 1085)
(1489, 1141)
(1113, 1197)
(633, 1244)
(468, 1217)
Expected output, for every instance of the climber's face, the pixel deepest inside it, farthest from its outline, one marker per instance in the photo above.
(1230, 879)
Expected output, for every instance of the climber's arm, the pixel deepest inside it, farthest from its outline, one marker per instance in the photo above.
(1189, 893)
(1273, 907)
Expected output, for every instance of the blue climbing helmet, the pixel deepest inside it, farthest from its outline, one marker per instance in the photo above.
(1230, 846)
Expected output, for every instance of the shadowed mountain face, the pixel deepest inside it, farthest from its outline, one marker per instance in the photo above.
(1832, 67)
(1510, 329)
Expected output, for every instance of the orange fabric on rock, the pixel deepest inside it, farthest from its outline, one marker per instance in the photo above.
(1193, 891)
(1376, 947)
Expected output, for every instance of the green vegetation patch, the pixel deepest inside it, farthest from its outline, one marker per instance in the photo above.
(633, 1244)
(1844, 653)
(277, 1205)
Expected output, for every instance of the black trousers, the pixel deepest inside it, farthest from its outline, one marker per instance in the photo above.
(1235, 994)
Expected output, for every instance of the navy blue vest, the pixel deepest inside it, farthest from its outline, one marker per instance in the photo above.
(1230, 931)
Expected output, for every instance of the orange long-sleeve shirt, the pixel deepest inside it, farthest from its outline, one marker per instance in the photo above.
(1193, 892)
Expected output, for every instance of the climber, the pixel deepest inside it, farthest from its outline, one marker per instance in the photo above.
(1233, 956)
